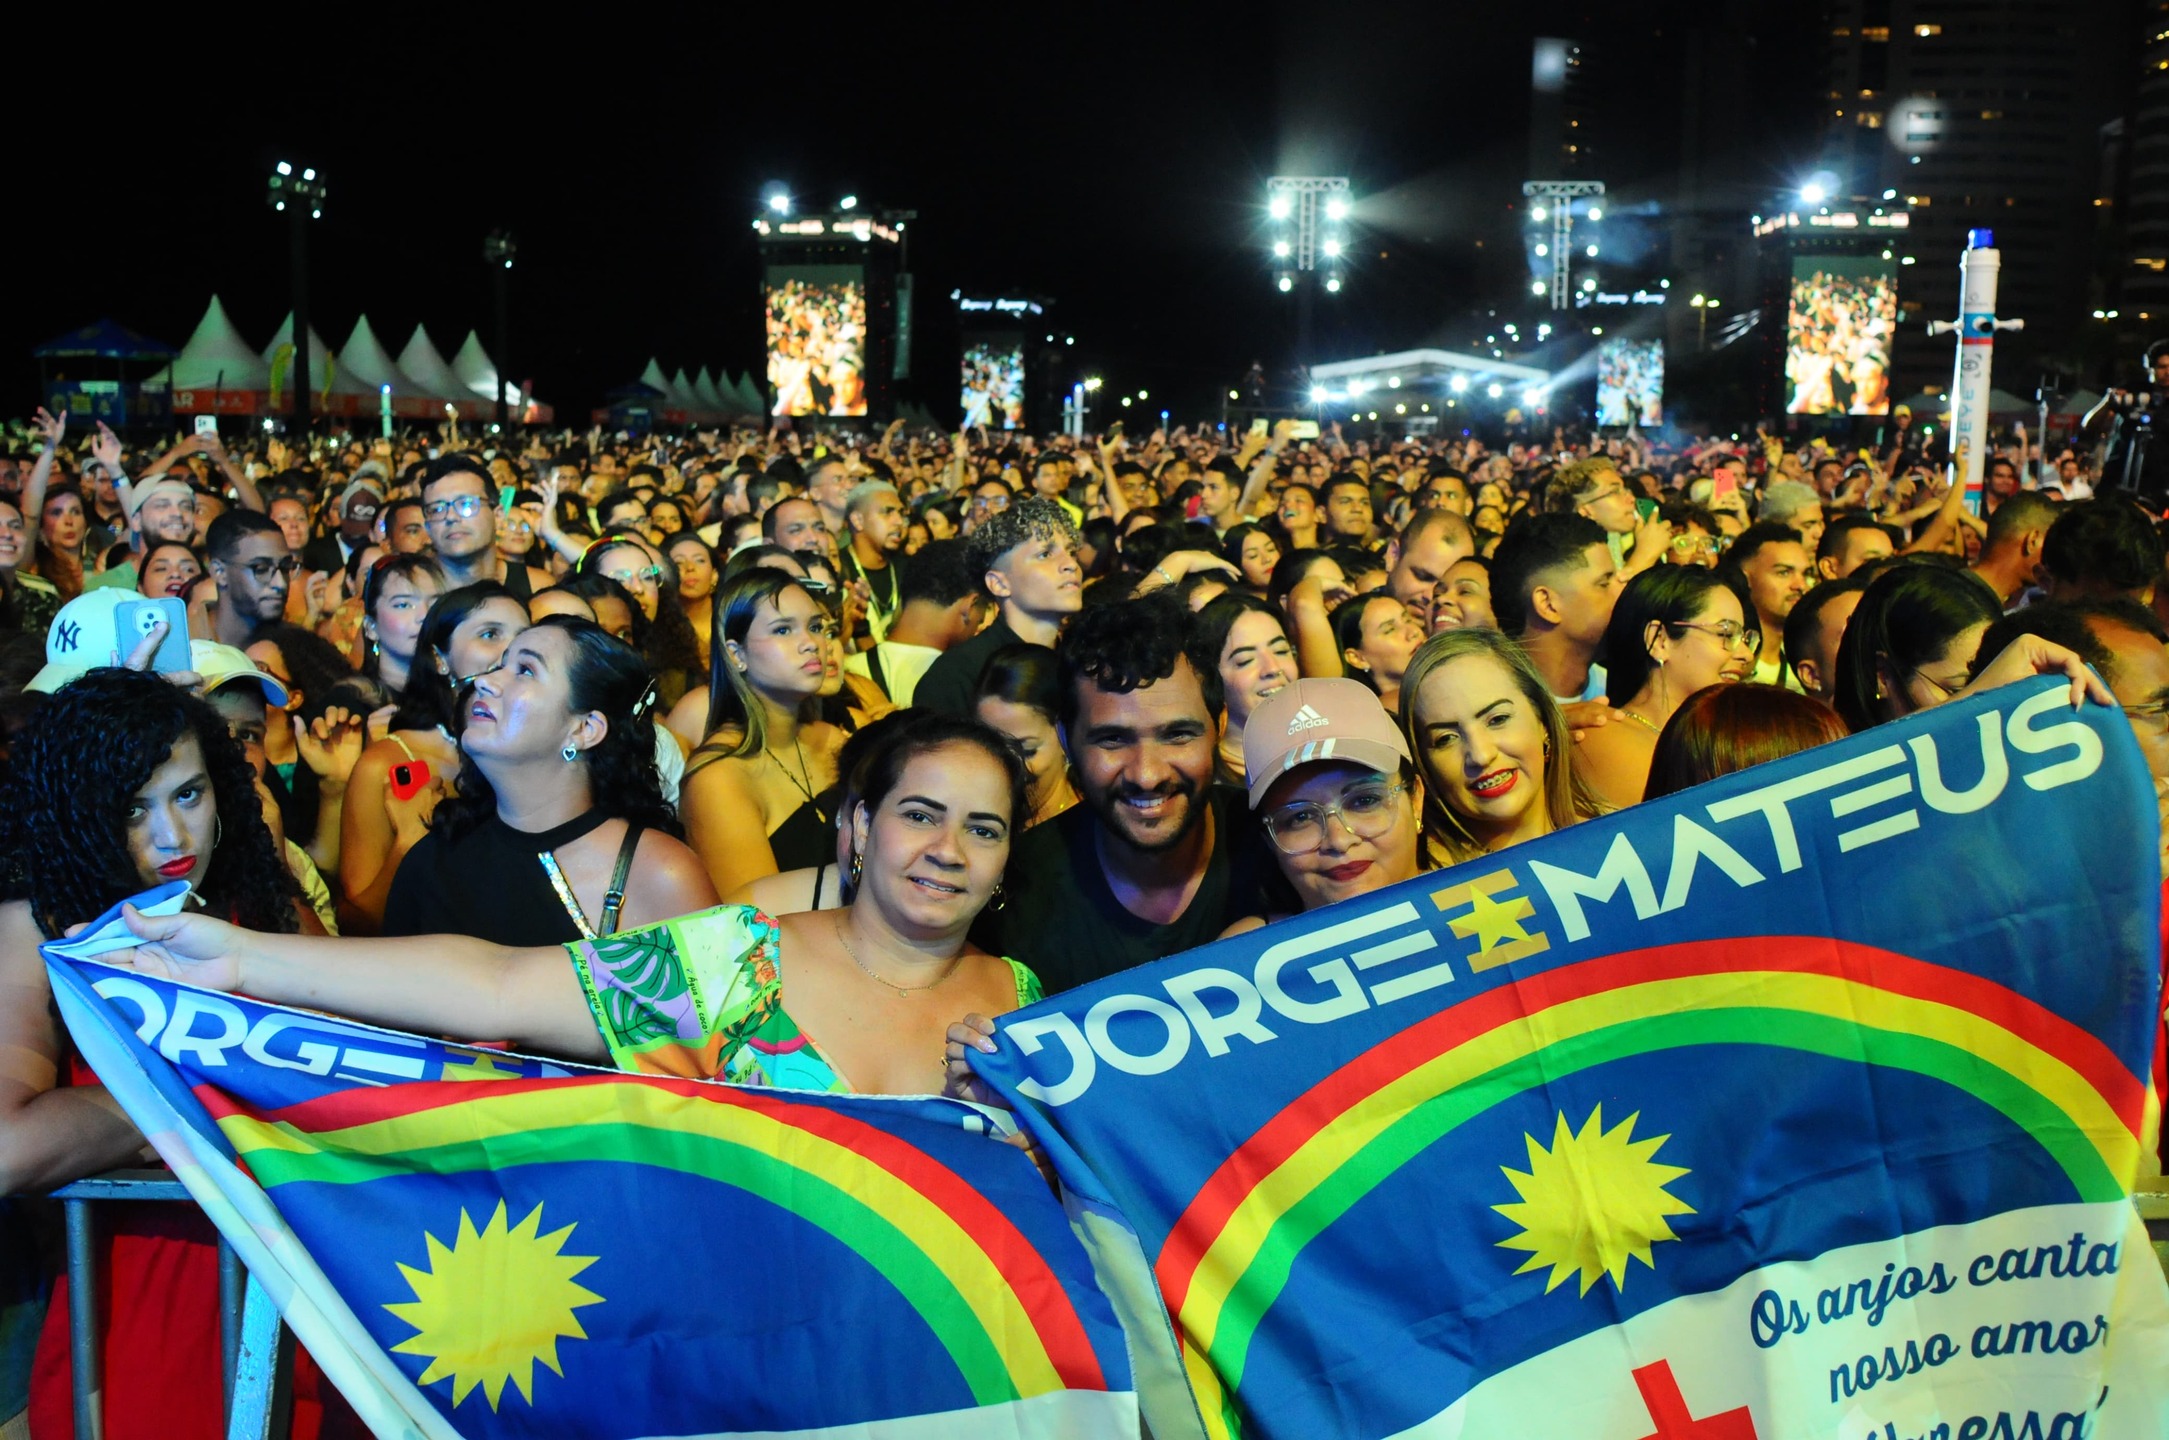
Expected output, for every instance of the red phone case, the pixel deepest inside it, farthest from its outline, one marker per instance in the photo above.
(409, 778)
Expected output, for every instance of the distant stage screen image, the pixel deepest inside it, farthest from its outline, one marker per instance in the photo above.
(1630, 382)
(817, 339)
(1838, 333)
(993, 393)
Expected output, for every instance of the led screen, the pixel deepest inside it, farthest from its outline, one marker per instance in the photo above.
(994, 383)
(817, 340)
(1838, 332)
(1630, 382)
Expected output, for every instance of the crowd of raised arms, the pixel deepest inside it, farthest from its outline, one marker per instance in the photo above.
(872, 738)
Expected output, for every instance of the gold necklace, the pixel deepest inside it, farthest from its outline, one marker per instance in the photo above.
(803, 781)
(1644, 720)
(901, 990)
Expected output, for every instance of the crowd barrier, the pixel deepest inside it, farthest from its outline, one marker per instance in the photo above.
(257, 1349)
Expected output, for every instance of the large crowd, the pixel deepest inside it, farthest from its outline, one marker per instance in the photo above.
(868, 739)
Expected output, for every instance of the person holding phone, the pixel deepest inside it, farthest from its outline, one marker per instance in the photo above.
(163, 793)
(396, 784)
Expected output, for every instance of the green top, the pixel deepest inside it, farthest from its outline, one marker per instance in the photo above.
(700, 997)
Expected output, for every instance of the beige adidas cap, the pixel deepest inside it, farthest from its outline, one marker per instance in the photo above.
(1319, 720)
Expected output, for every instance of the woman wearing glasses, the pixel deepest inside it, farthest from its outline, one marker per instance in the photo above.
(752, 794)
(660, 631)
(1339, 827)
(1911, 642)
(1675, 629)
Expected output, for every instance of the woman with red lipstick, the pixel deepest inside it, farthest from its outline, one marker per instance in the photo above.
(1486, 735)
(851, 1000)
(750, 792)
(123, 782)
(1675, 629)
(1341, 826)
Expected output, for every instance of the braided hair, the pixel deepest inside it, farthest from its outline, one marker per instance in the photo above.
(64, 809)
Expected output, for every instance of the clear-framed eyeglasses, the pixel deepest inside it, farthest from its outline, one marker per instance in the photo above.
(1367, 811)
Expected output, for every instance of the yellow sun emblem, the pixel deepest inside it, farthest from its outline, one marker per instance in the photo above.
(1591, 1201)
(493, 1304)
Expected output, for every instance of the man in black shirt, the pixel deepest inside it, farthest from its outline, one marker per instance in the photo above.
(1026, 559)
(1157, 860)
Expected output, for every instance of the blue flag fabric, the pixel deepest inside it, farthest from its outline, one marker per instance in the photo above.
(479, 1244)
(1801, 1104)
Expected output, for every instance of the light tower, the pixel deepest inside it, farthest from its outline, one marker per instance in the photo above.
(301, 199)
(498, 252)
(1552, 202)
(1309, 214)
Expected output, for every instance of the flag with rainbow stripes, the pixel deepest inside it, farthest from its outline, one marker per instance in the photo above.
(472, 1243)
(1802, 1105)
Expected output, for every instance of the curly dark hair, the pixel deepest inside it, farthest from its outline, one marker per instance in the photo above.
(609, 677)
(1125, 645)
(313, 664)
(64, 811)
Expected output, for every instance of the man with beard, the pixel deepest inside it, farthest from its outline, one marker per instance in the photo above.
(253, 568)
(159, 508)
(1157, 859)
(872, 554)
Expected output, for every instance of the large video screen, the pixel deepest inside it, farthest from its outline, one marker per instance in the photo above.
(1630, 382)
(817, 339)
(993, 393)
(1838, 333)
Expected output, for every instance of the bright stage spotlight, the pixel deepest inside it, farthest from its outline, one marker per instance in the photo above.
(1458, 384)
(1336, 209)
(1287, 283)
(1494, 389)
(1279, 207)
(1280, 249)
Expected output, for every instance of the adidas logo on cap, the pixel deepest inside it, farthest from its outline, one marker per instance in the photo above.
(1306, 719)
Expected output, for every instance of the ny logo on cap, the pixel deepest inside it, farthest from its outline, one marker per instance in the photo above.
(67, 635)
(1306, 719)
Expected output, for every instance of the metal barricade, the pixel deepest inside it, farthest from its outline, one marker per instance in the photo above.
(253, 1342)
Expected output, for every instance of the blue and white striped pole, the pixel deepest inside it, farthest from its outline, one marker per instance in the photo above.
(1976, 327)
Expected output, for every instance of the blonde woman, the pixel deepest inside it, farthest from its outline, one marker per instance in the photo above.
(1490, 746)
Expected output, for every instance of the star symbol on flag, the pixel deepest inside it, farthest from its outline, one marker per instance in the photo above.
(1493, 919)
(1493, 922)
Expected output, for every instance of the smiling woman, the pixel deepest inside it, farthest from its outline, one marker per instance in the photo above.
(1486, 732)
(857, 999)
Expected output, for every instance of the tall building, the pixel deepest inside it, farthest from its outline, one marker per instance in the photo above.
(1558, 122)
(2144, 288)
(1981, 114)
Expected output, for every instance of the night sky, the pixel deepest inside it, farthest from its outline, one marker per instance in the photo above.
(1111, 158)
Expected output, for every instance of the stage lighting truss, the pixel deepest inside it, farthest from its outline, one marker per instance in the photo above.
(1309, 215)
(303, 191)
(1552, 203)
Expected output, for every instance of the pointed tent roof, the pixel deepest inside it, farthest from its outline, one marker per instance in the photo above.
(363, 359)
(319, 352)
(748, 394)
(421, 363)
(477, 371)
(216, 357)
(654, 378)
(704, 390)
(681, 390)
